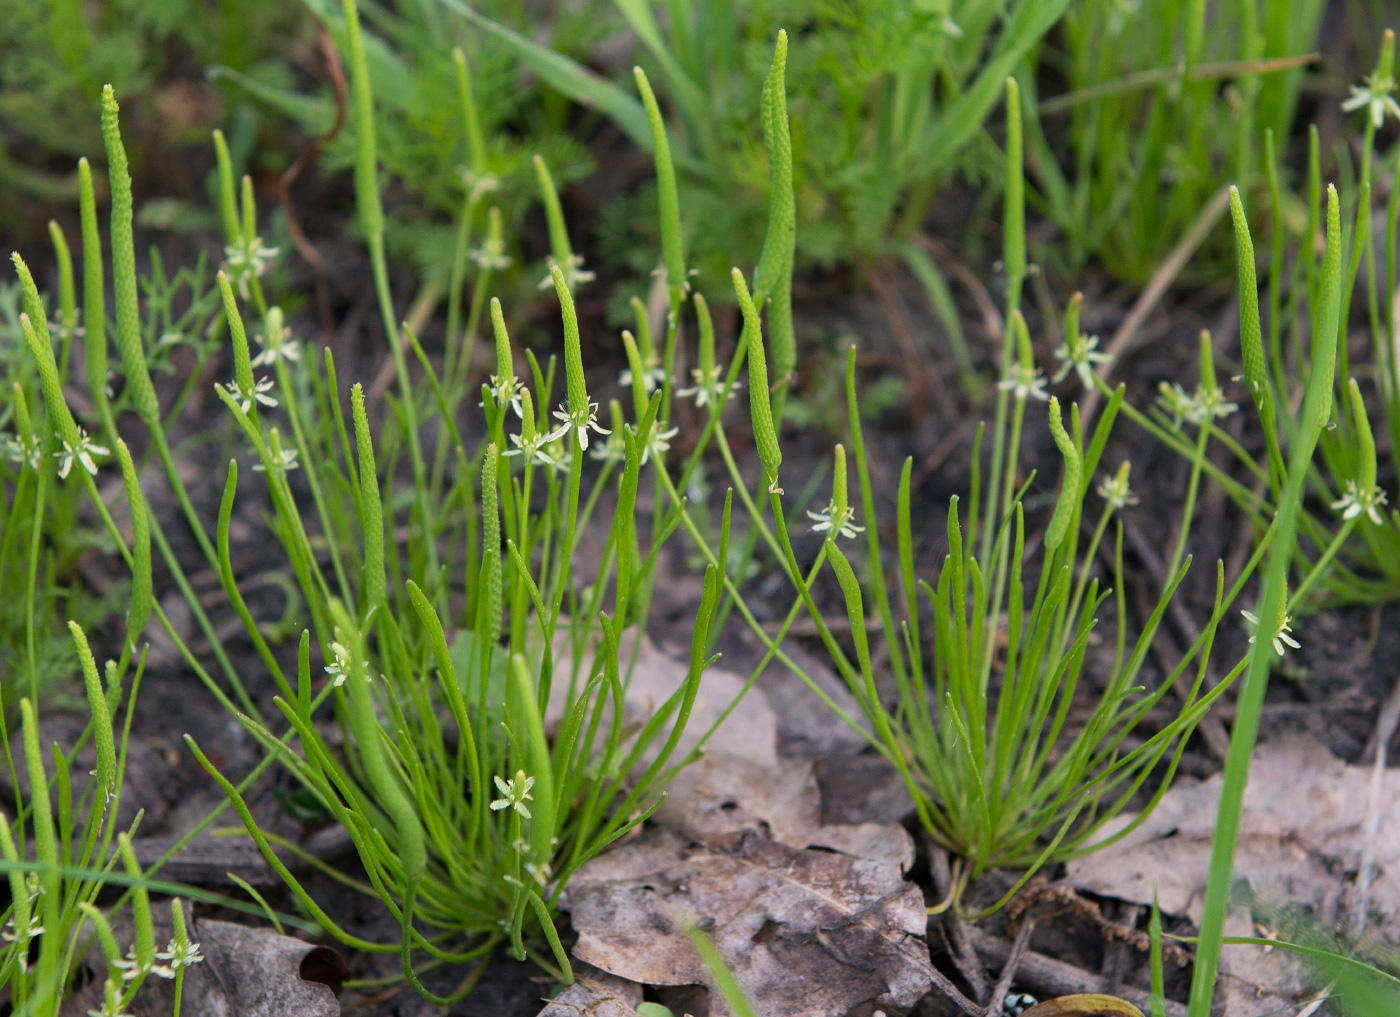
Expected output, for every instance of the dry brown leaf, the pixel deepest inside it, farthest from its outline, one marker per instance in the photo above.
(741, 782)
(1301, 838)
(808, 933)
(246, 972)
(595, 994)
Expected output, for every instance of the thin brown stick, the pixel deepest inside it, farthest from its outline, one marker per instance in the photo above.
(923, 383)
(1167, 75)
(1008, 970)
(1051, 977)
(962, 952)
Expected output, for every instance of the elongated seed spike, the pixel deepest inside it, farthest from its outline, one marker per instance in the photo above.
(32, 303)
(773, 277)
(1366, 442)
(1207, 361)
(706, 328)
(1251, 334)
(145, 939)
(646, 343)
(491, 544)
(133, 354)
(573, 352)
(527, 417)
(561, 250)
(505, 361)
(1067, 503)
(638, 368)
(476, 147)
(371, 507)
(142, 596)
(1014, 210)
(667, 198)
(839, 497)
(760, 407)
(97, 703)
(250, 211)
(1325, 352)
(242, 362)
(60, 417)
(228, 202)
(1072, 321)
(67, 296)
(371, 212)
(94, 297)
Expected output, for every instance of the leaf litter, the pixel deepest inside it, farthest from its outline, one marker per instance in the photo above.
(813, 919)
(1302, 838)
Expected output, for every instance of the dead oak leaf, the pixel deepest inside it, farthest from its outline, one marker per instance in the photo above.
(807, 932)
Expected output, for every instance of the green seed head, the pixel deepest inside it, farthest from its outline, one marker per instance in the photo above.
(142, 597)
(97, 704)
(760, 407)
(667, 199)
(371, 508)
(1068, 501)
(1207, 362)
(242, 362)
(573, 352)
(707, 334)
(505, 361)
(1014, 213)
(839, 497)
(228, 203)
(1251, 335)
(1366, 442)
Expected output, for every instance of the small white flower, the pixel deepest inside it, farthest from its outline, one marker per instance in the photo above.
(277, 344)
(261, 392)
(34, 929)
(1280, 638)
(707, 387)
(477, 186)
(1206, 405)
(573, 273)
(837, 522)
(1354, 502)
(540, 871)
(1081, 359)
(1025, 382)
(111, 1001)
(507, 392)
(286, 462)
(658, 444)
(248, 259)
(131, 968)
(1375, 97)
(180, 956)
(23, 451)
(515, 793)
(533, 450)
(340, 666)
(579, 423)
(1116, 492)
(83, 452)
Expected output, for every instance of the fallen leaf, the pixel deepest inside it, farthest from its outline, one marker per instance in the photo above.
(1301, 838)
(1084, 1004)
(246, 972)
(595, 994)
(807, 932)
